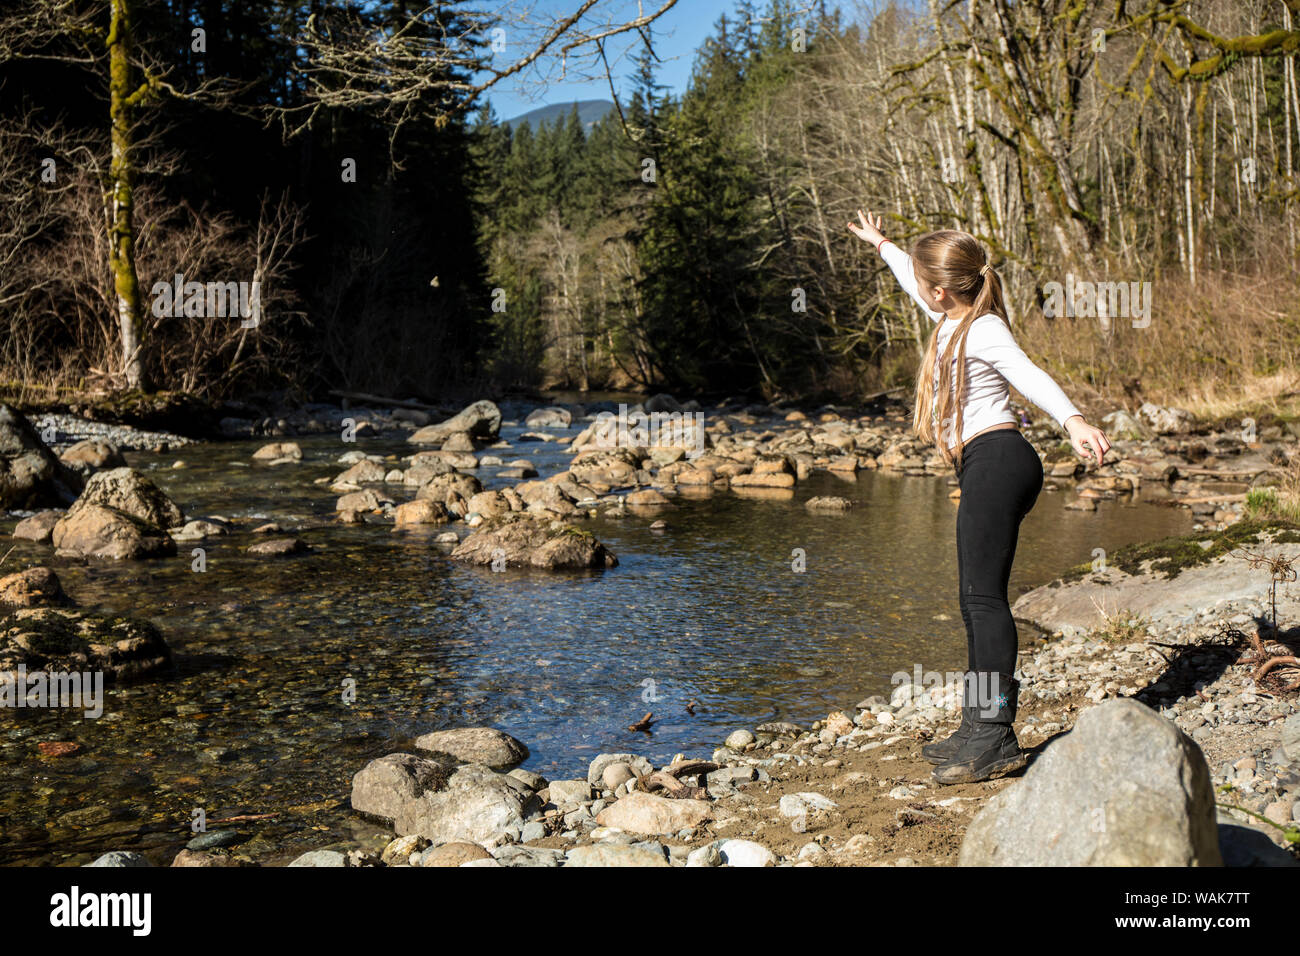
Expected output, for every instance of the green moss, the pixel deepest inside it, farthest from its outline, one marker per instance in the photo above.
(51, 634)
(1169, 556)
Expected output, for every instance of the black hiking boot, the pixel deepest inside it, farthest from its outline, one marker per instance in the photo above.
(941, 751)
(991, 749)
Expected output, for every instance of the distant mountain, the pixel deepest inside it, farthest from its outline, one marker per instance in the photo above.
(590, 112)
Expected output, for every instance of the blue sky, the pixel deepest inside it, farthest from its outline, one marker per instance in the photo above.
(677, 35)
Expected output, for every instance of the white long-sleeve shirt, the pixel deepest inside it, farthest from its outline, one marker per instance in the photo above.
(993, 359)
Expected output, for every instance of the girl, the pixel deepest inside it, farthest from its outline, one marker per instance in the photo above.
(998, 471)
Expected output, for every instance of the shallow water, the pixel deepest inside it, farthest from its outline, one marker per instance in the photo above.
(253, 721)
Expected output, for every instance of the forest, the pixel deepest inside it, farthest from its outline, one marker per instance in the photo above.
(401, 240)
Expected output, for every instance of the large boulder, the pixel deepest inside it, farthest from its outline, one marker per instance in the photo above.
(470, 804)
(131, 492)
(30, 473)
(522, 540)
(482, 420)
(97, 531)
(1124, 788)
(67, 641)
(483, 745)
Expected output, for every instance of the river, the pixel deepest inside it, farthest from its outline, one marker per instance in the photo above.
(708, 612)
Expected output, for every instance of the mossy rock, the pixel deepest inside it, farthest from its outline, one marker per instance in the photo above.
(518, 540)
(1171, 555)
(58, 639)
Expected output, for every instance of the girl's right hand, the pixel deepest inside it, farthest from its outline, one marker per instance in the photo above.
(1088, 441)
(868, 228)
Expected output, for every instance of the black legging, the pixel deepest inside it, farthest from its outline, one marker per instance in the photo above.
(1000, 478)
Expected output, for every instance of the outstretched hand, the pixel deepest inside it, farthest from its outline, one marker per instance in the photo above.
(1088, 442)
(868, 228)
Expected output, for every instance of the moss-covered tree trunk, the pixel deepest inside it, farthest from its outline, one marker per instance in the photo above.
(126, 283)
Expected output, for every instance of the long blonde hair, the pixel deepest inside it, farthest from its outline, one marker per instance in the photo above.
(954, 261)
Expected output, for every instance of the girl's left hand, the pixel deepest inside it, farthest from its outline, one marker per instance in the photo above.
(1088, 442)
(868, 228)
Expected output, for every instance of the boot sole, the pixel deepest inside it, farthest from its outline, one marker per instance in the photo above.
(1001, 768)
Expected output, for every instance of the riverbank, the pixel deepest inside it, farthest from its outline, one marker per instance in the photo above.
(751, 453)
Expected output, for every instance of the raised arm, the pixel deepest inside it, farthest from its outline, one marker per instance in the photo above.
(867, 228)
(900, 263)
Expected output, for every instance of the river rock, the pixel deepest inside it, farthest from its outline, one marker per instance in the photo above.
(424, 470)
(279, 451)
(39, 527)
(485, 745)
(471, 803)
(489, 504)
(1124, 788)
(596, 769)
(278, 547)
(1166, 421)
(523, 540)
(481, 420)
(121, 858)
(454, 854)
(451, 490)
(204, 858)
(402, 849)
(64, 640)
(89, 456)
(35, 587)
(739, 739)
(646, 813)
(383, 786)
(828, 503)
(421, 511)
(616, 467)
(97, 531)
(569, 793)
(130, 492)
(30, 473)
(358, 501)
(1057, 605)
(458, 441)
(613, 854)
(321, 858)
(746, 853)
(200, 528)
(362, 472)
(552, 417)
(1121, 425)
(615, 775)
